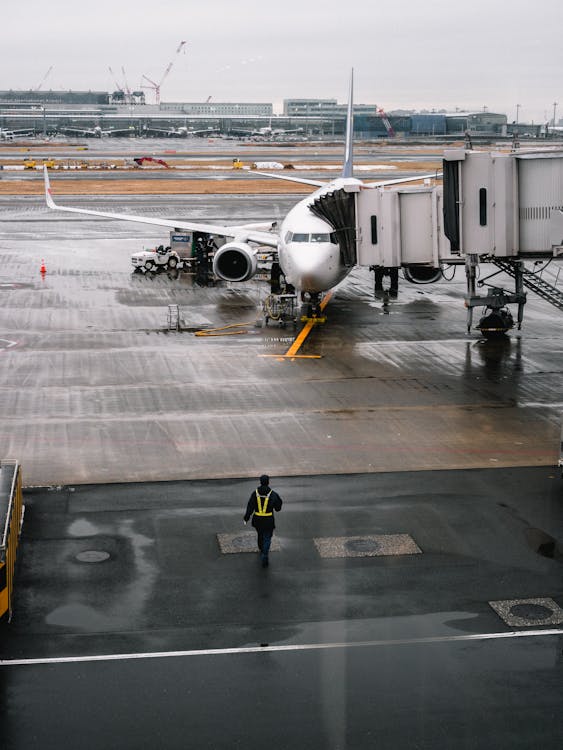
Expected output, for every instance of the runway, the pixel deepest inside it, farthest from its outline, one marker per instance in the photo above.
(144, 445)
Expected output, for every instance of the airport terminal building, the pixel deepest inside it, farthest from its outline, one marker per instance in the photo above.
(49, 112)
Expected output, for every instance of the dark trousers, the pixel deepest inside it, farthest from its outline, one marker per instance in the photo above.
(264, 541)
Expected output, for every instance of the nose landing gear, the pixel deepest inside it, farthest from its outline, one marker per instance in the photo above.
(311, 309)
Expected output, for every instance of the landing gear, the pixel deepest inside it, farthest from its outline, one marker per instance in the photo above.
(311, 307)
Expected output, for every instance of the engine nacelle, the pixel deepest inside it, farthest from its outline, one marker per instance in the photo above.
(422, 274)
(235, 261)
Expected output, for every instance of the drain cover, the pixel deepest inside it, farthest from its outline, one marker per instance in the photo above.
(367, 546)
(525, 612)
(362, 545)
(230, 544)
(531, 611)
(92, 556)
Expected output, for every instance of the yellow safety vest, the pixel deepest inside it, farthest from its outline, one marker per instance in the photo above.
(262, 509)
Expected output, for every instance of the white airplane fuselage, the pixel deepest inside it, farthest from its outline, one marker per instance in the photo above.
(309, 256)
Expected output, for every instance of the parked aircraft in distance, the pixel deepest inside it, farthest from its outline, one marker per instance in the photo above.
(98, 132)
(181, 132)
(9, 135)
(314, 244)
(266, 132)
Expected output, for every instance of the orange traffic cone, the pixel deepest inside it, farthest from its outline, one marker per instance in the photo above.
(42, 269)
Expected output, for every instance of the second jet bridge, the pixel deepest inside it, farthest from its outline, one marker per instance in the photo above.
(401, 227)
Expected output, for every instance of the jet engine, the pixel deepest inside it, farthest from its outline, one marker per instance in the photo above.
(422, 274)
(235, 261)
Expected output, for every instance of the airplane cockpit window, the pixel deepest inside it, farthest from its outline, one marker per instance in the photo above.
(300, 237)
(288, 237)
(320, 237)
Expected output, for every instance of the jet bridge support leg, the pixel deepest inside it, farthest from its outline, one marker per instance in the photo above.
(519, 289)
(471, 263)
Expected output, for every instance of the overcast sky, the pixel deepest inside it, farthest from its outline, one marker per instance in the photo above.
(407, 54)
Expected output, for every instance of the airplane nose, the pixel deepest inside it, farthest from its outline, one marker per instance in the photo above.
(315, 266)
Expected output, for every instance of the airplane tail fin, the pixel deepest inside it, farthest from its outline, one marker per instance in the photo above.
(48, 195)
(348, 167)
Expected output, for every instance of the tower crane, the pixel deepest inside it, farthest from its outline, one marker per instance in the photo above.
(119, 94)
(127, 89)
(388, 127)
(43, 79)
(156, 86)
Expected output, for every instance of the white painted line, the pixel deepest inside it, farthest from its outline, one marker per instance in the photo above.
(292, 647)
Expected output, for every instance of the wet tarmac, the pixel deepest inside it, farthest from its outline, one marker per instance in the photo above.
(95, 388)
(132, 628)
(405, 426)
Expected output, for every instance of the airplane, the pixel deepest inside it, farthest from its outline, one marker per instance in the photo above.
(97, 131)
(266, 132)
(314, 245)
(181, 132)
(9, 135)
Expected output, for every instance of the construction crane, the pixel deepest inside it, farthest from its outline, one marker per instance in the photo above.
(37, 88)
(118, 95)
(127, 89)
(156, 86)
(385, 120)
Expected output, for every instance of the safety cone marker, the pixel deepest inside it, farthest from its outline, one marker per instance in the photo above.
(42, 270)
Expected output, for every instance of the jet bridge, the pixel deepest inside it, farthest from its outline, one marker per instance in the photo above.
(504, 205)
(503, 208)
(401, 227)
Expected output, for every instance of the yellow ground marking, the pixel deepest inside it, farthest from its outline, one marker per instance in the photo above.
(300, 340)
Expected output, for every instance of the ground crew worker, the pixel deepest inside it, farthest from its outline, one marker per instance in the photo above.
(261, 506)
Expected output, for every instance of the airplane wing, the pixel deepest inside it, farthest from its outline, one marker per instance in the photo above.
(318, 183)
(288, 178)
(249, 231)
(160, 130)
(399, 180)
(118, 130)
(77, 130)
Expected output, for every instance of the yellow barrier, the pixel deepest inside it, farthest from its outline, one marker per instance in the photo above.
(11, 516)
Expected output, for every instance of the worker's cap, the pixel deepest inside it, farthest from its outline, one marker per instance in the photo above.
(264, 480)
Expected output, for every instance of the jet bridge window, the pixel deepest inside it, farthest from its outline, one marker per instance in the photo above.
(374, 230)
(483, 207)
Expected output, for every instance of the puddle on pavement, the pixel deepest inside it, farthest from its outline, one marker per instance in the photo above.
(544, 544)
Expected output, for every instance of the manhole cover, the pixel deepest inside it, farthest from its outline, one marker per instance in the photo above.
(531, 611)
(521, 613)
(244, 542)
(92, 556)
(362, 545)
(372, 545)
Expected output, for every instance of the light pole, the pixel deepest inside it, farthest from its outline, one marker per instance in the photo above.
(554, 111)
(517, 112)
